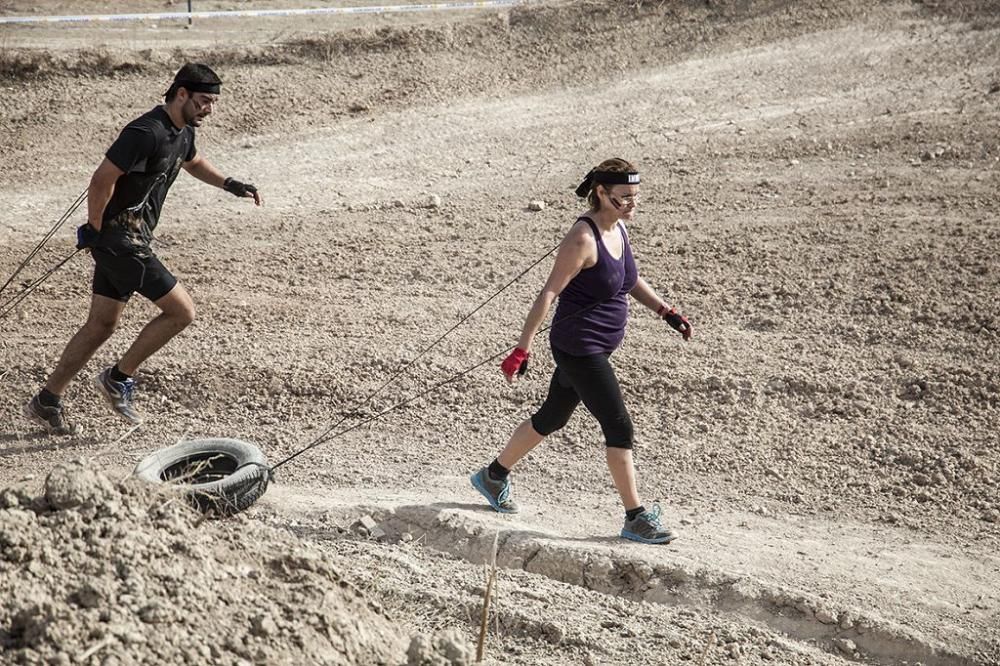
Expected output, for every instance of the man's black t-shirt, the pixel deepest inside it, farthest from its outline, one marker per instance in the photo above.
(150, 150)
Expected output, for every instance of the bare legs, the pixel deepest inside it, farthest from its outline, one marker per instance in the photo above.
(526, 438)
(101, 323)
(520, 444)
(177, 311)
(623, 474)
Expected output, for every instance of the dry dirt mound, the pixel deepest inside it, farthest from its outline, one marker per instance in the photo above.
(94, 571)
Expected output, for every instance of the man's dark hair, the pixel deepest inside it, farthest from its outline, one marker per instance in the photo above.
(194, 75)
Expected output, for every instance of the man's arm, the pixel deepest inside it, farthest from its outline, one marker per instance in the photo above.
(102, 186)
(206, 172)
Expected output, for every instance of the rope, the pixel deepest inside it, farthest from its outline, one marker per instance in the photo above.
(45, 239)
(9, 306)
(326, 436)
(420, 355)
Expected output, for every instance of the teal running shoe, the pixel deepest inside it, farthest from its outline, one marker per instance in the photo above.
(646, 528)
(497, 493)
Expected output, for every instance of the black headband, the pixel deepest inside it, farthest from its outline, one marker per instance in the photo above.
(198, 86)
(606, 178)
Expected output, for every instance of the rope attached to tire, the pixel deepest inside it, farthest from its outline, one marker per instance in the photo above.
(8, 306)
(240, 495)
(326, 435)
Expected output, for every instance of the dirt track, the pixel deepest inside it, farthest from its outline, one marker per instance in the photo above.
(820, 195)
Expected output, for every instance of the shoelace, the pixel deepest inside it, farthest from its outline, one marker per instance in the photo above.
(504, 493)
(128, 387)
(652, 516)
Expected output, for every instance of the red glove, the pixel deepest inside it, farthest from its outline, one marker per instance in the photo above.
(676, 320)
(517, 362)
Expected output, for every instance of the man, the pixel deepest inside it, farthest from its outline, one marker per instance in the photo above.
(124, 202)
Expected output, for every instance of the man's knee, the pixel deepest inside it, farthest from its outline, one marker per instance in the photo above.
(185, 316)
(101, 327)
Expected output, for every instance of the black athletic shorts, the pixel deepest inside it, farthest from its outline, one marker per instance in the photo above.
(592, 380)
(120, 276)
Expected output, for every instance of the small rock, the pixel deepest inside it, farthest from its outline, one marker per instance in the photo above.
(825, 617)
(846, 646)
(992, 516)
(154, 614)
(553, 632)
(263, 626)
(366, 522)
(433, 201)
(536, 205)
(73, 485)
(406, 537)
(88, 596)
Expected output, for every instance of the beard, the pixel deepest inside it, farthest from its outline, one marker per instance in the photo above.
(193, 117)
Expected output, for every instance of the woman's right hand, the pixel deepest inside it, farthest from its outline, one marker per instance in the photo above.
(515, 363)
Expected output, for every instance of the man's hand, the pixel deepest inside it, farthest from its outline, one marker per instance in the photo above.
(239, 189)
(517, 363)
(86, 236)
(676, 320)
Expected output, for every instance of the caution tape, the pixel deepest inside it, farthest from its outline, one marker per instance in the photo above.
(383, 9)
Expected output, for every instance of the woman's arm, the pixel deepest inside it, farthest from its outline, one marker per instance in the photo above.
(643, 293)
(577, 250)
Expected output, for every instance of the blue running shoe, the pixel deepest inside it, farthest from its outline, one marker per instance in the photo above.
(646, 528)
(120, 395)
(497, 493)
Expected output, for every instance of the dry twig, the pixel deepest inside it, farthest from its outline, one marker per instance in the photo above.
(491, 577)
(708, 646)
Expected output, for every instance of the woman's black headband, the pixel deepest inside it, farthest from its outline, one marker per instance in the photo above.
(606, 178)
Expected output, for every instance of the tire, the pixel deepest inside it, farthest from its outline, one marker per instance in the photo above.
(222, 476)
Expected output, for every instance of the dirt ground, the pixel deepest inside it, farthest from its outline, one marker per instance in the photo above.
(820, 196)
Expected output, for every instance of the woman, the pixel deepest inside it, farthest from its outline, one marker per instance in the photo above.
(593, 274)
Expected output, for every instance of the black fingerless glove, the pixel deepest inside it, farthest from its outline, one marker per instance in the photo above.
(86, 236)
(237, 188)
(677, 321)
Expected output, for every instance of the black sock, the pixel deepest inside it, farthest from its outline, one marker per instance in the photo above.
(497, 471)
(632, 513)
(48, 398)
(117, 375)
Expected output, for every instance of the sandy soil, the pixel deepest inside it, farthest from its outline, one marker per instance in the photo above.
(820, 187)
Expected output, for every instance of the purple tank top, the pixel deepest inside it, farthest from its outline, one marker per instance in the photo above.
(603, 288)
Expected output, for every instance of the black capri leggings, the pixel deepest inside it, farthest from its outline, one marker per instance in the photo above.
(592, 380)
